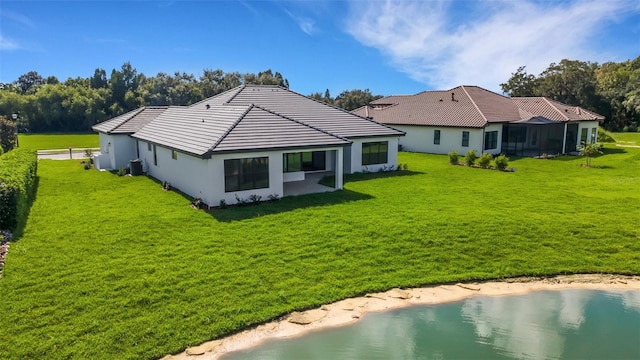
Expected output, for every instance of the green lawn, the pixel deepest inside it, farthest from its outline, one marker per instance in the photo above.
(58, 141)
(627, 138)
(114, 267)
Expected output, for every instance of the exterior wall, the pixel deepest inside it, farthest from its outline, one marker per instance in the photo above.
(591, 134)
(491, 127)
(116, 151)
(420, 139)
(204, 178)
(355, 155)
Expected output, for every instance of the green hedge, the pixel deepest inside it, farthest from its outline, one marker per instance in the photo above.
(17, 186)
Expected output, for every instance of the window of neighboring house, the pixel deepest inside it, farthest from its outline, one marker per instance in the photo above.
(155, 156)
(583, 136)
(436, 137)
(149, 146)
(246, 174)
(174, 155)
(594, 132)
(465, 138)
(490, 140)
(304, 161)
(375, 152)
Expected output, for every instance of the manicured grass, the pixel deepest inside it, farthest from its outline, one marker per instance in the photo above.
(58, 141)
(627, 138)
(114, 267)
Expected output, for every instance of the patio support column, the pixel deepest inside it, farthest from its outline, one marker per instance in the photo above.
(339, 170)
(564, 138)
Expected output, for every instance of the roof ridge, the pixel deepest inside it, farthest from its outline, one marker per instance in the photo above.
(301, 123)
(474, 103)
(554, 107)
(137, 112)
(226, 133)
(240, 88)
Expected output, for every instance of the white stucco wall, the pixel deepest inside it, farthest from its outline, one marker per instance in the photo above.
(355, 155)
(116, 151)
(590, 126)
(204, 178)
(420, 139)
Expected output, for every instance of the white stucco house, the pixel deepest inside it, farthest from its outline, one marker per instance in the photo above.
(470, 117)
(251, 140)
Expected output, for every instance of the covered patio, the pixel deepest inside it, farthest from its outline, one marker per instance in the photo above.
(309, 185)
(534, 137)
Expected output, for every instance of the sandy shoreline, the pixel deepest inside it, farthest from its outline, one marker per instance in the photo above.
(347, 311)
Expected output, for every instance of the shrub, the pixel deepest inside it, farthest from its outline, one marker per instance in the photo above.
(222, 204)
(501, 162)
(485, 160)
(18, 170)
(255, 198)
(454, 157)
(471, 157)
(121, 172)
(274, 197)
(604, 136)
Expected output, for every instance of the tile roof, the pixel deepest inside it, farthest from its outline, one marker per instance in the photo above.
(554, 110)
(300, 108)
(130, 122)
(467, 106)
(223, 128)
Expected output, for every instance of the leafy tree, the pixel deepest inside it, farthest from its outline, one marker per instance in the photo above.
(266, 77)
(8, 136)
(353, 99)
(520, 83)
(29, 80)
(99, 79)
(589, 151)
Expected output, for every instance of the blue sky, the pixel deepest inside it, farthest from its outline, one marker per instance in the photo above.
(390, 47)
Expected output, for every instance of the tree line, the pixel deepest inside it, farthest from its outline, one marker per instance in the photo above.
(48, 105)
(611, 89)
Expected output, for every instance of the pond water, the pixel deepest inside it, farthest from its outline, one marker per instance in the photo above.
(566, 324)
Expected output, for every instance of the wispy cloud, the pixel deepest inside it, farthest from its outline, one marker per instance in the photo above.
(8, 44)
(307, 25)
(18, 18)
(444, 43)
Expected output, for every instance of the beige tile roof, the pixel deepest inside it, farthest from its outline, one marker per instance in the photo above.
(467, 106)
(300, 108)
(130, 122)
(554, 110)
(224, 128)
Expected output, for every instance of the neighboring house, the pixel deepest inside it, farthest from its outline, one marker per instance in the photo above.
(251, 140)
(470, 117)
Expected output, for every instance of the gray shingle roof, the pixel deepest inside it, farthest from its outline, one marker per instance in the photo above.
(130, 122)
(467, 106)
(224, 128)
(299, 107)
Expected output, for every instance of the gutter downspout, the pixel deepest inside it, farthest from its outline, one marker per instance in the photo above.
(564, 138)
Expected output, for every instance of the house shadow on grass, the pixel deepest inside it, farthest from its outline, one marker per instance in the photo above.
(289, 203)
(378, 175)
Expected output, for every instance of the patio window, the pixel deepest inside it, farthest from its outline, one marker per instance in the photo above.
(594, 132)
(246, 174)
(490, 140)
(375, 152)
(436, 137)
(465, 138)
(583, 136)
(304, 161)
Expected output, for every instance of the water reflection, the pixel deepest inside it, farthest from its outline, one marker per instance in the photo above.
(534, 326)
(568, 324)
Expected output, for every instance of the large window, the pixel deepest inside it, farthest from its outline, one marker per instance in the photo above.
(246, 174)
(436, 137)
(304, 161)
(490, 140)
(465, 138)
(583, 136)
(375, 152)
(594, 132)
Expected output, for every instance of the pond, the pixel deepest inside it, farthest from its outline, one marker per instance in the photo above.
(566, 324)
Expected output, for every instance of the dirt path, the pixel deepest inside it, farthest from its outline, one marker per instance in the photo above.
(350, 310)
